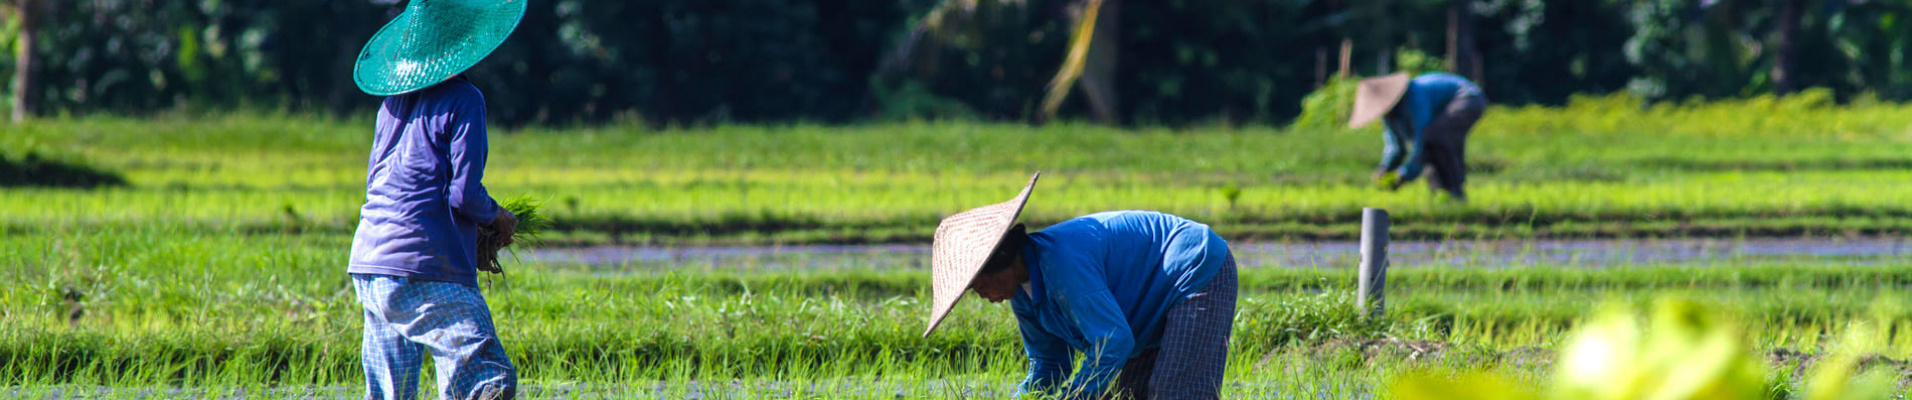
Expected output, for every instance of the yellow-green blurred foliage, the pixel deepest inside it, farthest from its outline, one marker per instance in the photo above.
(1681, 352)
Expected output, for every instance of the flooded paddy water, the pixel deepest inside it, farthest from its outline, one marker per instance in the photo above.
(1477, 254)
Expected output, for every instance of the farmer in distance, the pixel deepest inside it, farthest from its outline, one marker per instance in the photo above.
(1427, 120)
(1148, 298)
(414, 256)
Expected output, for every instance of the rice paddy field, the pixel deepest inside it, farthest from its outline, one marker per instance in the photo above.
(788, 261)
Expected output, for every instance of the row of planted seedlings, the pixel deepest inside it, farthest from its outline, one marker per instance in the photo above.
(198, 324)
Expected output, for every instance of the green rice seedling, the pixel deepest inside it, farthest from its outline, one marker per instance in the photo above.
(185, 276)
(531, 227)
(1618, 171)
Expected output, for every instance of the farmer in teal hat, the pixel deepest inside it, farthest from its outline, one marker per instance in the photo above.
(1427, 120)
(414, 256)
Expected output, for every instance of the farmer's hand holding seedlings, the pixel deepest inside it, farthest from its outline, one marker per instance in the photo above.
(518, 218)
(507, 225)
(1387, 180)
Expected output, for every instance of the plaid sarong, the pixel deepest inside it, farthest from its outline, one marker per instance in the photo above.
(1446, 145)
(1194, 351)
(405, 319)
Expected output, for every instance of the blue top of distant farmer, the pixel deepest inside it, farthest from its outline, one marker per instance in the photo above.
(1102, 284)
(423, 199)
(1427, 95)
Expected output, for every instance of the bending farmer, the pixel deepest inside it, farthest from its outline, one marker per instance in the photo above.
(1147, 298)
(1427, 120)
(414, 255)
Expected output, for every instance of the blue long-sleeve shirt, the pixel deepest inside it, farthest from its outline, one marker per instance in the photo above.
(1426, 96)
(1102, 285)
(423, 196)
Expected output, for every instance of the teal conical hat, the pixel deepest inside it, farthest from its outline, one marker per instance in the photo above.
(432, 41)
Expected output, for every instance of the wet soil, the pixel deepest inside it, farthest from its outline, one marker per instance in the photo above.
(1478, 254)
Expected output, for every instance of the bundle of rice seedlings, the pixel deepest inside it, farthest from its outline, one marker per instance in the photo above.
(531, 223)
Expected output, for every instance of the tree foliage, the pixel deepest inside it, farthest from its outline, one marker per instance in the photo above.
(1181, 61)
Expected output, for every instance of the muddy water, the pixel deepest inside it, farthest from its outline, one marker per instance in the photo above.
(1487, 254)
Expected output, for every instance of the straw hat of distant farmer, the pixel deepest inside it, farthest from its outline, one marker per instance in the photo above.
(433, 41)
(1376, 96)
(963, 244)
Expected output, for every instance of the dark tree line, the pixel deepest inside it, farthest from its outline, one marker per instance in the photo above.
(1179, 61)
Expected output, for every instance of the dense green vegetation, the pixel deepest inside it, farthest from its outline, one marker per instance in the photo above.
(756, 61)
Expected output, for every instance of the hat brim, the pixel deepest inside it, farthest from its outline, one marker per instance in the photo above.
(389, 64)
(1374, 97)
(963, 242)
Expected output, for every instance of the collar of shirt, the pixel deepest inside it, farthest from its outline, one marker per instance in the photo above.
(1033, 288)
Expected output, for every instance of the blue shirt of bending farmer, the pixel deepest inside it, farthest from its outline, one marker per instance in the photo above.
(1427, 96)
(1102, 284)
(423, 199)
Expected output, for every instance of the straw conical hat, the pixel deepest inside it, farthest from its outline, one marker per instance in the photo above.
(963, 242)
(1376, 96)
(433, 41)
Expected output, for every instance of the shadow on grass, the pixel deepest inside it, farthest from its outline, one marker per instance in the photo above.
(34, 170)
(1811, 164)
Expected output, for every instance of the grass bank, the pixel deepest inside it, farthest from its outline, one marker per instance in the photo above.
(1602, 167)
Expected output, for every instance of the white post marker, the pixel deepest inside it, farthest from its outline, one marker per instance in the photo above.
(1374, 262)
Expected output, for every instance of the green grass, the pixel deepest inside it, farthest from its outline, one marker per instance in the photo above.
(220, 264)
(178, 308)
(1600, 168)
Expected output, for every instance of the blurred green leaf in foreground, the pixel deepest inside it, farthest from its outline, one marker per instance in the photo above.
(1683, 352)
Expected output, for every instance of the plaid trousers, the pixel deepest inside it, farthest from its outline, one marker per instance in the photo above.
(1194, 351)
(406, 318)
(1446, 144)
